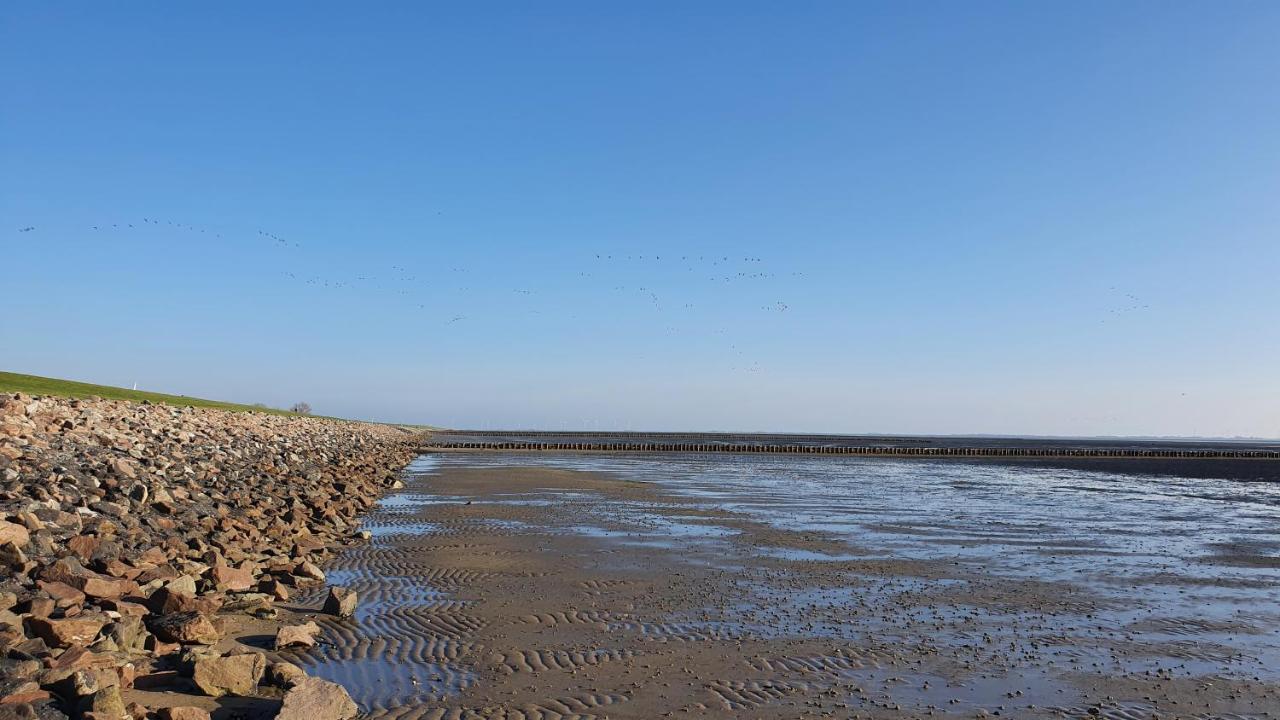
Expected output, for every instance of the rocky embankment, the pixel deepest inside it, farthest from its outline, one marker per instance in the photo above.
(135, 538)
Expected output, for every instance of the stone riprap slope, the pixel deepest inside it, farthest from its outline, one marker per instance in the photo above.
(136, 539)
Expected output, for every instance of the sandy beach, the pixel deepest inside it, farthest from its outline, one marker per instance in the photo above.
(505, 587)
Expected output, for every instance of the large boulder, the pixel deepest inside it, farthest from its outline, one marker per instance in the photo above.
(107, 587)
(63, 594)
(230, 675)
(168, 600)
(297, 635)
(341, 602)
(315, 699)
(308, 571)
(284, 674)
(186, 628)
(228, 578)
(14, 533)
(65, 632)
(107, 704)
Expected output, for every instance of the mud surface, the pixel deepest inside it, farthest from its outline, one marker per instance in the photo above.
(710, 587)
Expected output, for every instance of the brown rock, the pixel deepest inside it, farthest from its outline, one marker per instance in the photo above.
(128, 674)
(67, 631)
(229, 578)
(284, 674)
(57, 520)
(12, 636)
(341, 602)
(182, 584)
(106, 704)
(107, 587)
(153, 555)
(127, 632)
(230, 675)
(41, 607)
(80, 682)
(186, 628)
(21, 690)
(250, 603)
(120, 569)
(22, 669)
(182, 713)
(158, 647)
(297, 635)
(275, 589)
(84, 546)
(125, 468)
(309, 571)
(63, 594)
(13, 533)
(12, 557)
(166, 600)
(13, 406)
(78, 657)
(124, 607)
(64, 570)
(315, 699)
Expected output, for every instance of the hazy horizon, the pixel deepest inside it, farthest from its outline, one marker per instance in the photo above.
(711, 430)
(926, 219)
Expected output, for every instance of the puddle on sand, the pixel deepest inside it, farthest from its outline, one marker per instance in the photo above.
(388, 528)
(798, 555)
(382, 683)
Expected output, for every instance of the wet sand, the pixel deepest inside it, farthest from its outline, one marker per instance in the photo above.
(525, 591)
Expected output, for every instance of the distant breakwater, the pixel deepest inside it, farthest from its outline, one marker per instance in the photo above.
(871, 450)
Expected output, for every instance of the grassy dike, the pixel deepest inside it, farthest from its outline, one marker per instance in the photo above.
(37, 385)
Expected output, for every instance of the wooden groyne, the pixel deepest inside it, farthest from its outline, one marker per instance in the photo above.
(889, 451)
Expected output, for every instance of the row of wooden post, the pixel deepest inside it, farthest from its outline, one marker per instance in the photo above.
(863, 450)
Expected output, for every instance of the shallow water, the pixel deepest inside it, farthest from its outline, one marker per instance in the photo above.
(926, 509)
(1137, 575)
(1206, 551)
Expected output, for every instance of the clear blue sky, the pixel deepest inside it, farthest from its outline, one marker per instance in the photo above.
(1041, 218)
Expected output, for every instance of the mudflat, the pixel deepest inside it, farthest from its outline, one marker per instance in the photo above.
(509, 587)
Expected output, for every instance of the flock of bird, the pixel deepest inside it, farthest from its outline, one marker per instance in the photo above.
(401, 282)
(675, 273)
(672, 272)
(1129, 303)
(154, 221)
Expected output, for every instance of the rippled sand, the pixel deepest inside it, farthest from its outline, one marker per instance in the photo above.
(505, 586)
